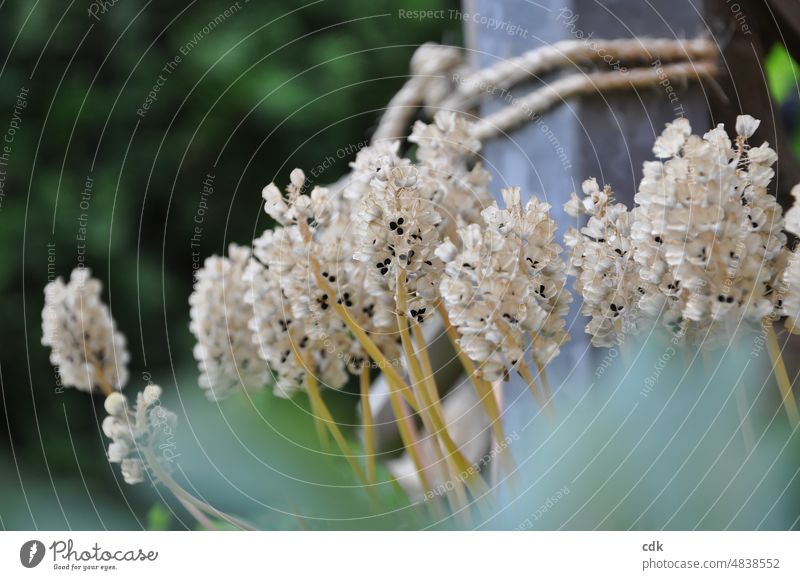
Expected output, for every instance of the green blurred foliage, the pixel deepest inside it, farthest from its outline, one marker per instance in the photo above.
(783, 77)
(679, 439)
(272, 86)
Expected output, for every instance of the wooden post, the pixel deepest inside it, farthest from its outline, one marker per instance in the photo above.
(602, 136)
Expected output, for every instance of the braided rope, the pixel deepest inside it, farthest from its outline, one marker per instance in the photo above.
(507, 73)
(540, 100)
(428, 65)
(434, 67)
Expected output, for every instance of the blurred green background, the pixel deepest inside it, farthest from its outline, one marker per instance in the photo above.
(268, 87)
(274, 85)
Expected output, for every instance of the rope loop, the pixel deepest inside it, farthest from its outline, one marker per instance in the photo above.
(435, 68)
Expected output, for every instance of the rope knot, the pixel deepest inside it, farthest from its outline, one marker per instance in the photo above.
(432, 59)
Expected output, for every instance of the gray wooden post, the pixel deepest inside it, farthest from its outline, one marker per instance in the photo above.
(602, 136)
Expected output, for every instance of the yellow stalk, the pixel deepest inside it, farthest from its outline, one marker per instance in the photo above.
(450, 469)
(105, 386)
(428, 405)
(779, 368)
(363, 338)
(405, 338)
(439, 426)
(322, 432)
(525, 373)
(483, 388)
(369, 427)
(422, 386)
(522, 366)
(486, 395)
(408, 439)
(548, 394)
(366, 342)
(319, 406)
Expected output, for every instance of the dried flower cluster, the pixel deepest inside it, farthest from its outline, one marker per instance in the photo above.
(132, 431)
(445, 153)
(704, 247)
(226, 355)
(606, 275)
(505, 288)
(90, 354)
(294, 322)
(86, 347)
(345, 247)
(350, 272)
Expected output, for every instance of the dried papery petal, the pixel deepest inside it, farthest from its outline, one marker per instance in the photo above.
(746, 125)
(793, 215)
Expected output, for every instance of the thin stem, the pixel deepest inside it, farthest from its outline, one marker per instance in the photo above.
(181, 493)
(322, 432)
(102, 382)
(542, 373)
(482, 387)
(369, 427)
(366, 342)
(409, 442)
(402, 324)
(439, 426)
(428, 410)
(202, 518)
(525, 372)
(521, 365)
(447, 463)
(363, 338)
(779, 368)
(312, 387)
